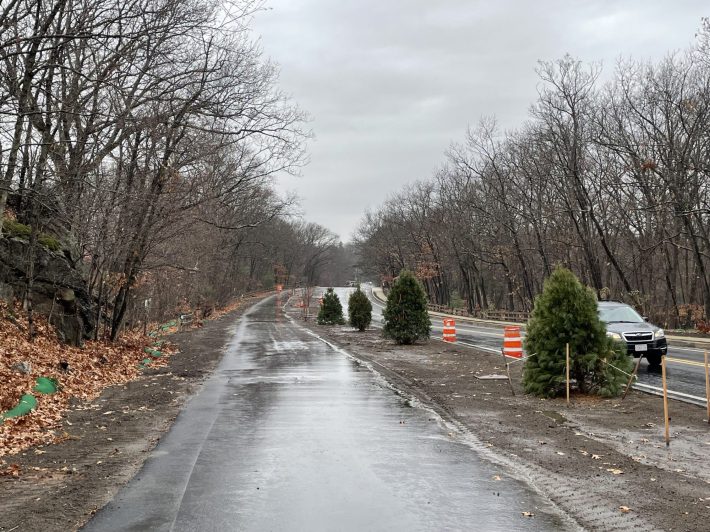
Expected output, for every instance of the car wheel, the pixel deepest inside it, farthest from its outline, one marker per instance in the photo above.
(654, 359)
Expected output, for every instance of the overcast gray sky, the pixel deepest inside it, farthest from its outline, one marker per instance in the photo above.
(391, 83)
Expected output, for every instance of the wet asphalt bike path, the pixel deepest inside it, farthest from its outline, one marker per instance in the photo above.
(289, 434)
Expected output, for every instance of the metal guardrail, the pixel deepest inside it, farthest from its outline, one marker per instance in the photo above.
(516, 316)
(498, 315)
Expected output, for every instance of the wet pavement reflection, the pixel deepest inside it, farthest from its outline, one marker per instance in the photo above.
(291, 435)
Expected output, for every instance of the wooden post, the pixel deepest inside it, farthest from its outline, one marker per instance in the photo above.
(631, 379)
(707, 385)
(665, 402)
(567, 371)
(507, 371)
(510, 381)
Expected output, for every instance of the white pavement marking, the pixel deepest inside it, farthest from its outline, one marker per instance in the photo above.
(485, 348)
(679, 396)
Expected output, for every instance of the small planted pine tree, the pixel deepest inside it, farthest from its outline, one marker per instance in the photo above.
(331, 311)
(566, 312)
(359, 310)
(406, 316)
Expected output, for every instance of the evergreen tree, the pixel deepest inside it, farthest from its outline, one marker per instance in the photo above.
(406, 316)
(566, 312)
(359, 310)
(331, 311)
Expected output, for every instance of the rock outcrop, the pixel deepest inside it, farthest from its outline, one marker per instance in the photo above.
(58, 288)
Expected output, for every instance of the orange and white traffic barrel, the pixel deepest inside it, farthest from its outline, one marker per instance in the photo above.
(449, 330)
(512, 342)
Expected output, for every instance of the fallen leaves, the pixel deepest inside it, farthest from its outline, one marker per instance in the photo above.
(624, 509)
(13, 470)
(528, 514)
(81, 372)
(615, 471)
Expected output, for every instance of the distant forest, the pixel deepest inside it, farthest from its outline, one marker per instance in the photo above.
(609, 179)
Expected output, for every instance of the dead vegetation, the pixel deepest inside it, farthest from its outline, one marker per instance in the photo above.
(82, 373)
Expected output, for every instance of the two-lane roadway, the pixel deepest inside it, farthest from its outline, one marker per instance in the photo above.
(686, 372)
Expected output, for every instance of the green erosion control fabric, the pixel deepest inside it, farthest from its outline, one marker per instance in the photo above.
(162, 328)
(26, 404)
(153, 352)
(46, 385)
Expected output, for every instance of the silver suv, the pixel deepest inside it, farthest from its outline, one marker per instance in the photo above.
(624, 324)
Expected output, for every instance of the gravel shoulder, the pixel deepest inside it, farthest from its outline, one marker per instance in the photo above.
(61, 486)
(601, 461)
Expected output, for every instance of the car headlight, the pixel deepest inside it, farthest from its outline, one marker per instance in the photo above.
(660, 333)
(613, 335)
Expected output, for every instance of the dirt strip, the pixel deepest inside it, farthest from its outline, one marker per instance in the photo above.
(602, 461)
(61, 486)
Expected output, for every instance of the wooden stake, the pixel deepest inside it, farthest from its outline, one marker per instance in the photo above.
(567, 371)
(510, 381)
(507, 371)
(631, 379)
(707, 384)
(665, 401)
